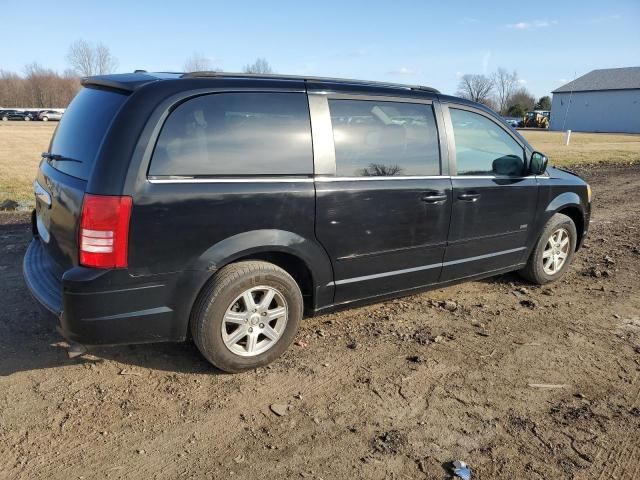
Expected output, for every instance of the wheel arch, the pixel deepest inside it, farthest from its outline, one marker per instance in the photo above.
(304, 259)
(569, 204)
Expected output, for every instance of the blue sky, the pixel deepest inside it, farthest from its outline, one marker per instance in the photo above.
(428, 43)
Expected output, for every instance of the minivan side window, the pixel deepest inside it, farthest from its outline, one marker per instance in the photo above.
(236, 134)
(378, 138)
(483, 147)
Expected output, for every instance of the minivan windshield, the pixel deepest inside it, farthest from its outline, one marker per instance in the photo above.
(82, 129)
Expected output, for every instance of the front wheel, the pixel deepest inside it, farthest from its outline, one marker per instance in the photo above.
(45, 119)
(5, 119)
(553, 251)
(26, 119)
(247, 316)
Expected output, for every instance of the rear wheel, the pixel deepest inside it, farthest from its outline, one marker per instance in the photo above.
(247, 316)
(4, 119)
(26, 119)
(553, 251)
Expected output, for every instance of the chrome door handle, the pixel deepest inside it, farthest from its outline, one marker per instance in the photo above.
(433, 198)
(469, 197)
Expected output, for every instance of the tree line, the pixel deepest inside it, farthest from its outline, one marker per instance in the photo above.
(41, 87)
(502, 91)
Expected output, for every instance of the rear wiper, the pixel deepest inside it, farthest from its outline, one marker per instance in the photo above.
(59, 158)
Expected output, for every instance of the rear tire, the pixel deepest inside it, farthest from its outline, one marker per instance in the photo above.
(26, 119)
(246, 316)
(553, 252)
(5, 119)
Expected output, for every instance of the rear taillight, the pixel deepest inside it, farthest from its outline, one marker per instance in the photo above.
(104, 231)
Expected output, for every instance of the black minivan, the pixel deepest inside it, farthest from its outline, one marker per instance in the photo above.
(227, 206)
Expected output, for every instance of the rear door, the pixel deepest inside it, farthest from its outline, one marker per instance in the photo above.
(494, 200)
(62, 178)
(383, 199)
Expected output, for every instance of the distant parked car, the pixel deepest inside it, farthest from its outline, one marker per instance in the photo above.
(46, 115)
(14, 115)
(512, 121)
(33, 114)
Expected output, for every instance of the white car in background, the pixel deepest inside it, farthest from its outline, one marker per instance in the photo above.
(47, 115)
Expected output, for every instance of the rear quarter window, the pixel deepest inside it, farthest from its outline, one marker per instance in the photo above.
(227, 134)
(82, 129)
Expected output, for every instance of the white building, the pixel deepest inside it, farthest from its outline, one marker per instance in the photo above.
(606, 100)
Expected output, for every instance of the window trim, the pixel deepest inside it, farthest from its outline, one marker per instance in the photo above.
(453, 168)
(324, 145)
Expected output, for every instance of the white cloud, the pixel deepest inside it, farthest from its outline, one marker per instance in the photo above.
(532, 24)
(468, 20)
(402, 71)
(522, 81)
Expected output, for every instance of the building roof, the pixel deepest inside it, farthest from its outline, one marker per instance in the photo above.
(605, 79)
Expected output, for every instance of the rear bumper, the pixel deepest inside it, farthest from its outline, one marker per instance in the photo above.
(108, 307)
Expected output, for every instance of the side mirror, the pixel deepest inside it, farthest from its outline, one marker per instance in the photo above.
(538, 164)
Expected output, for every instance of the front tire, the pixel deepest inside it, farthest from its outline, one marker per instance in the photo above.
(553, 252)
(246, 316)
(45, 119)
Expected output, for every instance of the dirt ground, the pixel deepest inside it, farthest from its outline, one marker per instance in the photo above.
(518, 381)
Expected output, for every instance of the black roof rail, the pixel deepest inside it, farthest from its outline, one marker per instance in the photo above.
(308, 79)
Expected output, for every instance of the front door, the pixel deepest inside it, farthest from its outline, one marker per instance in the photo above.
(383, 217)
(494, 201)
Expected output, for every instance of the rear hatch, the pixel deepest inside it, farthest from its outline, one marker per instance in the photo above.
(65, 169)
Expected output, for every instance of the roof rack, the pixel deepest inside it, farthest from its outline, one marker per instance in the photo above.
(307, 79)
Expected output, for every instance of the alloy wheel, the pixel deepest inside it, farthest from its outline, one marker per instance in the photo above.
(556, 251)
(255, 321)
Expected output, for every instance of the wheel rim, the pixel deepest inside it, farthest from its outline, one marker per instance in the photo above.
(556, 251)
(255, 321)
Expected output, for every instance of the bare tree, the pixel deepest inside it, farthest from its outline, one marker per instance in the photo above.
(505, 84)
(477, 88)
(522, 97)
(12, 89)
(38, 87)
(259, 66)
(199, 63)
(105, 62)
(379, 169)
(87, 60)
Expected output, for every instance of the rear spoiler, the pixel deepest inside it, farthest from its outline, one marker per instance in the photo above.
(128, 82)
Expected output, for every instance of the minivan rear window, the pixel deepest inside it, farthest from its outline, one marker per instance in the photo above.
(82, 129)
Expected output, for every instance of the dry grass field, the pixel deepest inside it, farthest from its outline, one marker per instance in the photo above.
(22, 142)
(585, 148)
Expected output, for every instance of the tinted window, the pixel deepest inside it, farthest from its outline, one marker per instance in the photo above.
(83, 128)
(236, 134)
(374, 138)
(483, 147)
